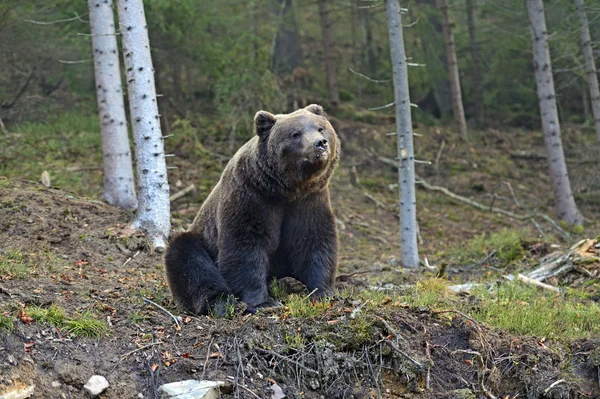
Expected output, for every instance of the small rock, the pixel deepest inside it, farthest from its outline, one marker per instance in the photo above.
(96, 385)
(56, 384)
(11, 359)
(191, 389)
(18, 392)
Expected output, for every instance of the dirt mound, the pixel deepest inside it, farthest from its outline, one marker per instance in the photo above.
(60, 251)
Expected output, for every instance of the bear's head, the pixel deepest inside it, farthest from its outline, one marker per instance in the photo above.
(301, 146)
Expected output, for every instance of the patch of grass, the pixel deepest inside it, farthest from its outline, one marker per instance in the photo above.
(138, 317)
(85, 325)
(276, 290)
(6, 323)
(54, 146)
(13, 263)
(429, 292)
(523, 309)
(302, 307)
(505, 243)
(52, 315)
(294, 341)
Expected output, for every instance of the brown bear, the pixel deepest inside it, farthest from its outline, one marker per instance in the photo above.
(269, 216)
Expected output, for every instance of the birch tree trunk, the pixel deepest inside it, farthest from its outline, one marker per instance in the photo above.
(475, 71)
(457, 105)
(153, 215)
(119, 187)
(328, 56)
(590, 65)
(565, 203)
(404, 134)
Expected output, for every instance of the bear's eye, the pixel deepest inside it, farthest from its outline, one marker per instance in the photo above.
(321, 130)
(296, 135)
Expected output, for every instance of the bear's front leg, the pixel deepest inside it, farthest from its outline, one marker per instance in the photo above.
(245, 272)
(310, 243)
(248, 236)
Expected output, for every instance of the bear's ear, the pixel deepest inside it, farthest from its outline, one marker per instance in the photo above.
(263, 122)
(315, 109)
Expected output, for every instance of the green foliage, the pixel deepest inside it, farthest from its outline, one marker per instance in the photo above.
(6, 323)
(13, 263)
(505, 243)
(52, 146)
(301, 306)
(52, 315)
(523, 309)
(83, 325)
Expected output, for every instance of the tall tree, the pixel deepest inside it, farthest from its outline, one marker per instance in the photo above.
(565, 203)
(404, 134)
(475, 67)
(590, 65)
(457, 104)
(287, 54)
(153, 214)
(119, 187)
(328, 55)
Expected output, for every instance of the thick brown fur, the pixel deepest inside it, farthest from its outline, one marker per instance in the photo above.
(269, 216)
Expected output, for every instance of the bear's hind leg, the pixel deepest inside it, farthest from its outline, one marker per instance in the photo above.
(194, 280)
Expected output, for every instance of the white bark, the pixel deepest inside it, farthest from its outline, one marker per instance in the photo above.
(590, 65)
(406, 169)
(119, 187)
(153, 215)
(455, 91)
(563, 196)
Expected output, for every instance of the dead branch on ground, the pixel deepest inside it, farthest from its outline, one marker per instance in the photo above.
(481, 370)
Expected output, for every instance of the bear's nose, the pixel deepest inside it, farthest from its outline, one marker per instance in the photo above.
(321, 144)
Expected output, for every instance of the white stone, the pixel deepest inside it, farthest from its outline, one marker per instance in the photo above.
(96, 385)
(55, 384)
(192, 389)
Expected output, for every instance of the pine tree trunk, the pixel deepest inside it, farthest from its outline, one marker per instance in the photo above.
(328, 55)
(404, 134)
(287, 54)
(457, 105)
(590, 65)
(119, 187)
(476, 72)
(153, 215)
(565, 203)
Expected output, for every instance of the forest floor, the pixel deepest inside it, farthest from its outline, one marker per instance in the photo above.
(72, 289)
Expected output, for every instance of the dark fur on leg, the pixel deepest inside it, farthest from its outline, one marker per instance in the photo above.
(196, 283)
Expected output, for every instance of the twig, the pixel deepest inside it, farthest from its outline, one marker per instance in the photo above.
(401, 352)
(378, 203)
(244, 387)
(512, 192)
(182, 193)
(21, 91)
(480, 372)
(368, 78)
(207, 355)
(75, 62)
(310, 293)
(287, 359)
(390, 105)
(164, 310)
(391, 330)
(438, 157)
(372, 371)
(76, 17)
(555, 383)
(530, 281)
(458, 312)
(125, 356)
(129, 259)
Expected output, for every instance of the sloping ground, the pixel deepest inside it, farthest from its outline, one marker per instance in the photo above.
(61, 249)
